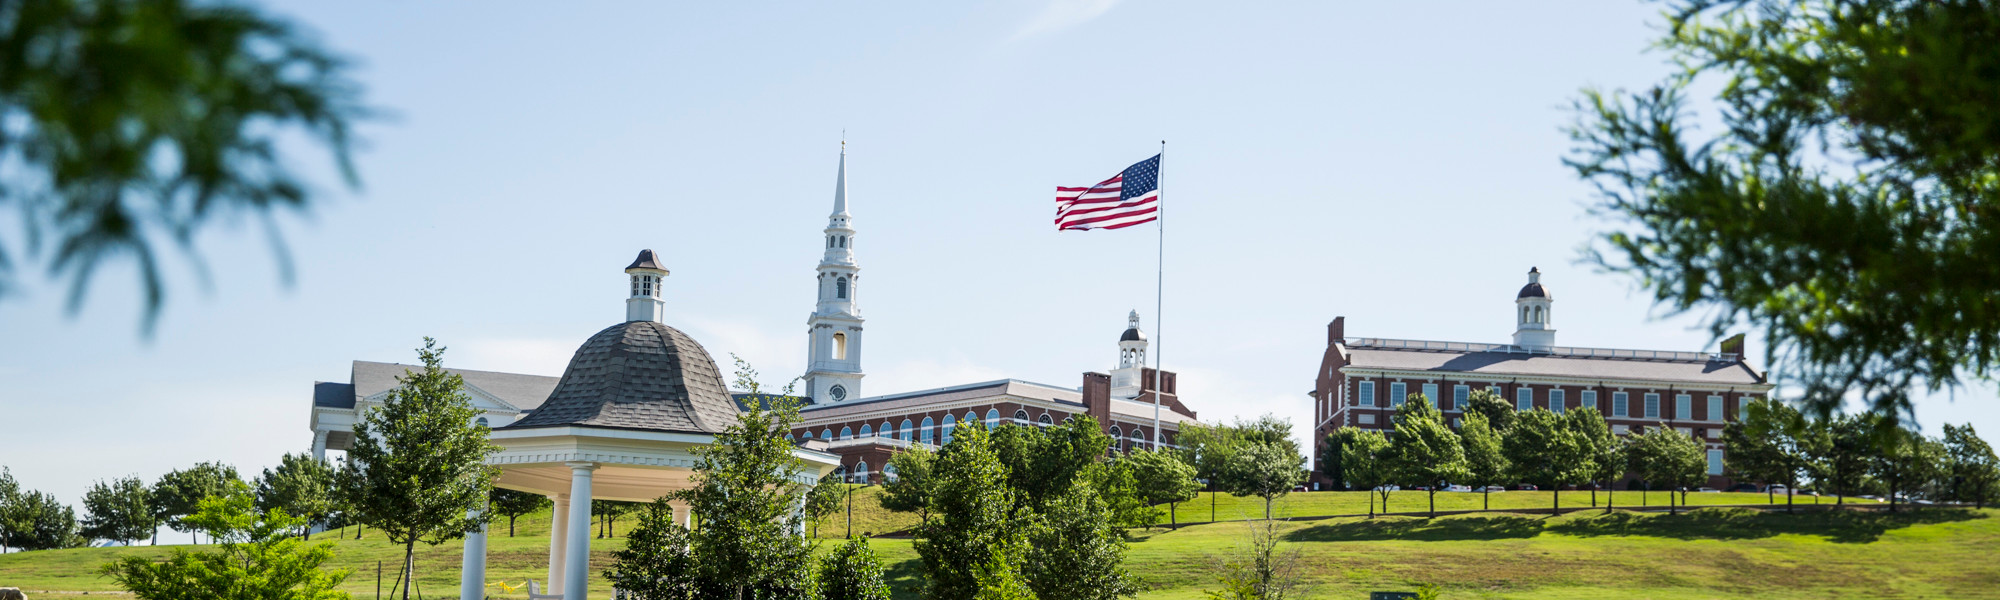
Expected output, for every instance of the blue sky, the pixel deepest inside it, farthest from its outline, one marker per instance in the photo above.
(1396, 163)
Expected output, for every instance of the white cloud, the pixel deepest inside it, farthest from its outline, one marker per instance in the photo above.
(1221, 398)
(1064, 14)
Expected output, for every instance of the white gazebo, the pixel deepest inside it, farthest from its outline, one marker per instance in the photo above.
(636, 401)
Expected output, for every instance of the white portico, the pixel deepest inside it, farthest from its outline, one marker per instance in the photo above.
(623, 424)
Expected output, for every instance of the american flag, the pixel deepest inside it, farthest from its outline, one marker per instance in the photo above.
(1130, 198)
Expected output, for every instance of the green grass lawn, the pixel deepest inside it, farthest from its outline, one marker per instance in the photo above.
(1711, 553)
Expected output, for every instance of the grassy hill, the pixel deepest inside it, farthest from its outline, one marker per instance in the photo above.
(1711, 553)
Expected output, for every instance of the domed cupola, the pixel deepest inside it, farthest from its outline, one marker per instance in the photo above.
(1125, 380)
(640, 374)
(1532, 316)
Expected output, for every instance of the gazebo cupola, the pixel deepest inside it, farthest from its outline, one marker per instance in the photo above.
(647, 276)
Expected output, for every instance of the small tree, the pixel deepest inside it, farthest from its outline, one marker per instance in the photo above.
(10, 497)
(1164, 479)
(512, 504)
(417, 470)
(1498, 411)
(607, 513)
(302, 485)
(657, 562)
(178, 493)
(746, 497)
(1367, 465)
(1971, 468)
(825, 499)
(256, 558)
(1840, 450)
(1906, 463)
(1264, 470)
(1116, 483)
(971, 526)
(1078, 549)
(1424, 448)
(1602, 463)
(1259, 571)
(36, 521)
(1662, 455)
(1768, 443)
(1546, 452)
(999, 578)
(909, 490)
(120, 511)
(1485, 464)
(851, 572)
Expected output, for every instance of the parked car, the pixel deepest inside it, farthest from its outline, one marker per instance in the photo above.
(1745, 487)
(1526, 487)
(1389, 488)
(1777, 489)
(1707, 490)
(1459, 488)
(1496, 488)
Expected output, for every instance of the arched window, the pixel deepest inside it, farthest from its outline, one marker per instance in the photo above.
(908, 430)
(481, 421)
(1066, 420)
(840, 346)
(1117, 433)
(889, 472)
(992, 418)
(861, 472)
(867, 431)
(971, 418)
(846, 433)
(809, 435)
(829, 241)
(826, 434)
(1046, 421)
(1540, 316)
(1021, 416)
(1138, 439)
(840, 288)
(927, 433)
(790, 440)
(946, 429)
(887, 430)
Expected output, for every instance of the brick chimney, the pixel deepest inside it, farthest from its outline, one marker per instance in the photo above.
(1336, 331)
(1733, 345)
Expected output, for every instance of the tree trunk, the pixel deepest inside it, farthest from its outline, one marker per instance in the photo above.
(1788, 498)
(1485, 498)
(409, 565)
(1610, 498)
(1556, 491)
(1434, 501)
(1267, 508)
(1593, 494)
(1173, 517)
(1371, 504)
(510, 526)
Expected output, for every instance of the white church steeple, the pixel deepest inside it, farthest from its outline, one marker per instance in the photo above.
(833, 366)
(1531, 314)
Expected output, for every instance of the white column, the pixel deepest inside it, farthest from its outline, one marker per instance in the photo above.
(319, 444)
(472, 573)
(683, 513)
(576, 560)
(557, 535)
(799, 508)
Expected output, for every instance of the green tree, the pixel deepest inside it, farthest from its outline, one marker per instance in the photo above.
(1043, 462)
(1840, 450)
(120, 511)
(214, 86)
(302, 485)
(826, 499)
(1603, 460)
(657, 563)
(1078, 549)
(851, 572)
(746, 498)
(1544, 451)
(1115, 482)
(1207, 448)
(1906, 463)
(909, 490)
(417, 470)
(1769, 443)
(1663, 456)
(1972, 470)
(256, 558)
(1498, 411)
(1259, 571)
(607, 513)
(971, 520)
(1841, 206)
(1485, 463)
(1424, 449)
(512, 504)
(999, 578)
(1164, 479)
(35, 520)
(1367, 464)
(179, 493)
(1264, 470)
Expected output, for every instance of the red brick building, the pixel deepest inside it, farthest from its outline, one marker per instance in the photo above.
(1361, 381)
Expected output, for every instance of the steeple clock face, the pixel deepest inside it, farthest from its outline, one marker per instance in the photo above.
(838, 392)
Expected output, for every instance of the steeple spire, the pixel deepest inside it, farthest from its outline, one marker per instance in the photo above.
(834, 355)
(840, 185)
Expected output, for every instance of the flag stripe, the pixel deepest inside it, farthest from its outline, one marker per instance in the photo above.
(1129, 198)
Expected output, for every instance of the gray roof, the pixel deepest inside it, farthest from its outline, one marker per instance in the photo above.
(646, 260)
(525, 392)
(333, 395)
(1714, 371)
(984, 389)
(638, 375)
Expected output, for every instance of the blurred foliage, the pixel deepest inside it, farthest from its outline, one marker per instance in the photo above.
(1846, 202)
(128, 125)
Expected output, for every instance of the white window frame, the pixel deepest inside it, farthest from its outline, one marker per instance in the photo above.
(1589, 398)
(1460, 394)
(1556, 400)
(1683, 407)
(1364, 392)
(1621, 404)
(1431, 394)
(1652, 406)
(1715, 461)
(1398, 391)
(1524, 398)
(1715, 408)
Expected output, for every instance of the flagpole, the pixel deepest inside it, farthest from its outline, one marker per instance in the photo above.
(1159, 293)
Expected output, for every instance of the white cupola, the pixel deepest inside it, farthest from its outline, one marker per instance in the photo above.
(1127, 380)
(1532, 329)
(646, 276)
